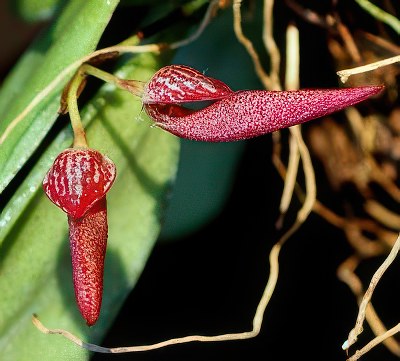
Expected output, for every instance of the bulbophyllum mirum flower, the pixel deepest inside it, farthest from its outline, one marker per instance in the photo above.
(236, 115)
(77, 183)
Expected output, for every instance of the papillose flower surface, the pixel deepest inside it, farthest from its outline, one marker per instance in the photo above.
(236, 115)
(77, 183)
(79, 179)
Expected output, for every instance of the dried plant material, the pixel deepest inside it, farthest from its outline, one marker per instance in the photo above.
(346, 274)
(349, 158)
(292, 76)
(349, 42)
(246, 42)
(346, 73)
(311, 189)
(361, 155)
(375, 342)
(394, 120)
(358, 328)
(364, 246)
(383, 215)
(380, 178)
(364, 132)
(270, 44)
(292, 82)
(343, 162)
(291, 175)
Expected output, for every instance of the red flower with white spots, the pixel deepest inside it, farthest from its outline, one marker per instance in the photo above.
(236, 115)
(77, 183)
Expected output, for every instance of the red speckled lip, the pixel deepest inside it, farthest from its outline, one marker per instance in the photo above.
(247, 114)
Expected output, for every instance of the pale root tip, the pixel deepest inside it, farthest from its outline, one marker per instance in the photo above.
(343, 78)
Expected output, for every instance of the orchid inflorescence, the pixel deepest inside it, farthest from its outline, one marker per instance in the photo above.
(80, 176)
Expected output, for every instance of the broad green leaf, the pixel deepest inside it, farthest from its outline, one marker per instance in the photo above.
(34, 258)
(73, 35)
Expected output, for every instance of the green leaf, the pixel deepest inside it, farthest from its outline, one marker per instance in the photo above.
(34, 259)
(73, 35)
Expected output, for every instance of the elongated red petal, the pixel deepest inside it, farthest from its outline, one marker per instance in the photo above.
(247, 114)
(180, 83)
(88, 241)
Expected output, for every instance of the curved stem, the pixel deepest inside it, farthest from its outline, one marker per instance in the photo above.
(73, 90)
(133, 86)
(76, 122)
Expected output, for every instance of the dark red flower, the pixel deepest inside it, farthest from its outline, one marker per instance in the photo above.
(77, 183)
(237, 115)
